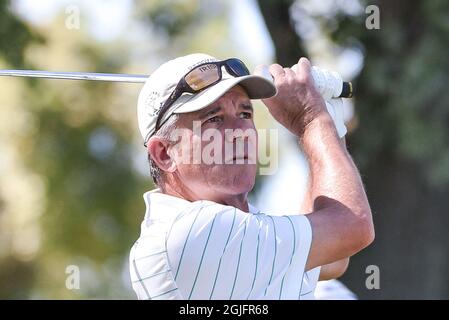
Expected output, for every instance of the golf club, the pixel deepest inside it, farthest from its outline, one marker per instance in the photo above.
(112, 77)
(345, 88)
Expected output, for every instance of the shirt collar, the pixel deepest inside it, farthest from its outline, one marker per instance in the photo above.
(162, 206)
(253, 209)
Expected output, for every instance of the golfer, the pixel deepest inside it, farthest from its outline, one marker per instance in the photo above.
(200, 238)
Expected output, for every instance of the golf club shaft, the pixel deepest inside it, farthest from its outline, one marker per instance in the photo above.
(113, 77)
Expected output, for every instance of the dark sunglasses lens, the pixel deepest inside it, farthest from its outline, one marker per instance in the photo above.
(237, 67)
(203, 76)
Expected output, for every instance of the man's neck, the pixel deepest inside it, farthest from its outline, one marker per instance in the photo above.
(239, 201)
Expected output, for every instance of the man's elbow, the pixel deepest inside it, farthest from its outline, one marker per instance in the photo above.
(360, 232)
(334, 270)
(366, 232)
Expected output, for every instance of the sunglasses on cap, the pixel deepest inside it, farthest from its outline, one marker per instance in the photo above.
(199, 78)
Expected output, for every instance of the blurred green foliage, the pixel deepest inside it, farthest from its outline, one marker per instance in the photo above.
(78, 144)
(405, 76)
(15, 35)
(402, 145)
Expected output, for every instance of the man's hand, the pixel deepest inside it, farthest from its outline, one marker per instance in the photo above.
(297, 102)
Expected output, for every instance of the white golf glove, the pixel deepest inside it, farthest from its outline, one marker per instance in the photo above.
(335, 109)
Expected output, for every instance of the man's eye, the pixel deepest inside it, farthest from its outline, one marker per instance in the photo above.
(214, 119)
(246, 115)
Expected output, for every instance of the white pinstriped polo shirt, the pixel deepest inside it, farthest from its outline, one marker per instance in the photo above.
(206, 250)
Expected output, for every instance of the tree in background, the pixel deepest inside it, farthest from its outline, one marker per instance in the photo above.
(70, 192)
(402, 142)
(15, 36)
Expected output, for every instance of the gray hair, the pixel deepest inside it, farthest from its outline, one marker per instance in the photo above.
(164, 132)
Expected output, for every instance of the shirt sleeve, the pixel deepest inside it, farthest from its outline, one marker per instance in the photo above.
(309, 285)
(220, 252)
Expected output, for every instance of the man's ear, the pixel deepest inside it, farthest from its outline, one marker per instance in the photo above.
(158, 150)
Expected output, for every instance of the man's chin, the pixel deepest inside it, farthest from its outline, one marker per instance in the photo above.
(244, 180)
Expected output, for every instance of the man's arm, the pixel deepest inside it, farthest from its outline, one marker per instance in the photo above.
(341, 217)
(335, 269)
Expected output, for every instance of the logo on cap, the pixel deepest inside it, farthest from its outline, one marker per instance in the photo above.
(151, 104)
(201, 62)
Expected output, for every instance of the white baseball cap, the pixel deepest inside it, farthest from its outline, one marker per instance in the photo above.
(164, 80)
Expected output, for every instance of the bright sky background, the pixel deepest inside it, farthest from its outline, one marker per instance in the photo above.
(107, 20)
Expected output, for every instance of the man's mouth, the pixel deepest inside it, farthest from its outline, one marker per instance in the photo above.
(244, 159)
(239, 158)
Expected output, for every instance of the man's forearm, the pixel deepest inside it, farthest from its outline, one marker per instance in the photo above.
(307, 202)
(337, 268)
(332, 173)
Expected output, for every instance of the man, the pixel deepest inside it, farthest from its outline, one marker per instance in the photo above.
(200, 238)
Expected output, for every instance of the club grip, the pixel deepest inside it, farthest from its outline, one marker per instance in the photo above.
(346, 91)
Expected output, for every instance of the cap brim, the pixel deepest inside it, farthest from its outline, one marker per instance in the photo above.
(256, 87)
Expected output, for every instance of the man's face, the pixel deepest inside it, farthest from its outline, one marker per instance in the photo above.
(217, 155)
